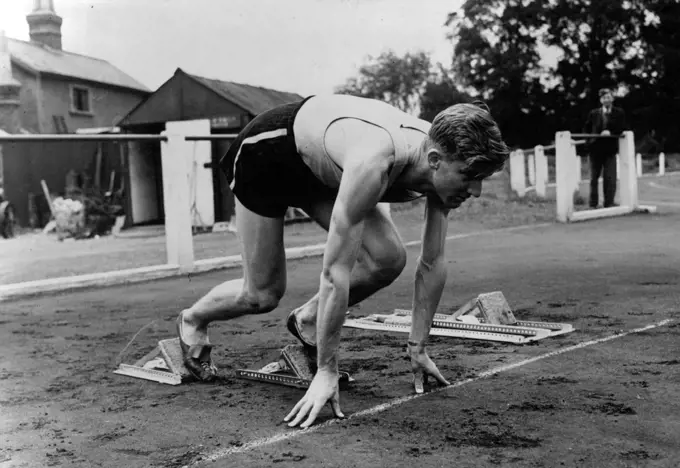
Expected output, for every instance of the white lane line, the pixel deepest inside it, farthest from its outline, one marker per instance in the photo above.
(659, 186)
(523, 227)
(660, 203)
(294, 433)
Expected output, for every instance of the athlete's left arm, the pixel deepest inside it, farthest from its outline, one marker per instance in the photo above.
(429, 282)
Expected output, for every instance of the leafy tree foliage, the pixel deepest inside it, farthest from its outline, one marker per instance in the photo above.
(498, 48)
(496, 58)
(397, 80)
(655, 100)
(441, 91)
(439, 95)
(630, 45)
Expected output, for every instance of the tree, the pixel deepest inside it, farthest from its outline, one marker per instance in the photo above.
(601, 43)
(601, 46)
(495, 58)
(399, 81)
(655, 100)
(440, 92)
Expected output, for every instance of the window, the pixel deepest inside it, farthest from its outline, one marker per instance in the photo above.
(80, 100)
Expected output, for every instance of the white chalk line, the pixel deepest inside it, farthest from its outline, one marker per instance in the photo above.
(664, 187)
(660, 203)
(294, 433)
(522, 227)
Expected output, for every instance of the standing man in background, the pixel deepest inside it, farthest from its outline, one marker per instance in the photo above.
(604, 120)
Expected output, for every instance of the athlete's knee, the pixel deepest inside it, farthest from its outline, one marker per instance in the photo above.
(263, 300)
(388, 264)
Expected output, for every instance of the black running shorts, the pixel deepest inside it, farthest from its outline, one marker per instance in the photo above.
(264, 169)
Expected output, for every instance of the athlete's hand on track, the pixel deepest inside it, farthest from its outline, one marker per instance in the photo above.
(422, 367)
(323, 389)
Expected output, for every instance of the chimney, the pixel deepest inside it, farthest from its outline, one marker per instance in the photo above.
(44, 25)
(10, 117)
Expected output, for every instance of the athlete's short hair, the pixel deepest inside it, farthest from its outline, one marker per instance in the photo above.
(467, 132)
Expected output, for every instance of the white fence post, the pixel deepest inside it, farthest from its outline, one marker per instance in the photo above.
(175, 154)
(531, 167)
(564, 168)
(638, 164)
(541, 171)
(578, 167)
(517, 173)
(576, 174)
(662, 164)
(629, 180)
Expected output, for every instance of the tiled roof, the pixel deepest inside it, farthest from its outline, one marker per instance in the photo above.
(47, 60)
(254, 99)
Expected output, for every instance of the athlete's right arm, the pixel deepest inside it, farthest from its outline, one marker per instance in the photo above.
(363, 183)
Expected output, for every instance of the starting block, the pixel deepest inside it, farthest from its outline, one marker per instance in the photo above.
(293, 369)
(164, 364)
(486, 317)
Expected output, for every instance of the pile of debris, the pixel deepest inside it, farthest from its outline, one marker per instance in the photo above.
(83, 212)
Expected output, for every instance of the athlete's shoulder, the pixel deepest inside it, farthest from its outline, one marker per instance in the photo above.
(348, 101)
(419, 124)
(343, 99)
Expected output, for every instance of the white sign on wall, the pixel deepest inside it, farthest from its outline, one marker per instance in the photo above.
(227, 121)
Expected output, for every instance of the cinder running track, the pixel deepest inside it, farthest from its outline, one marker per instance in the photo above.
(585, 401)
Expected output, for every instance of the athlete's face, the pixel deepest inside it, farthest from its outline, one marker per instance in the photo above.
(450, 182)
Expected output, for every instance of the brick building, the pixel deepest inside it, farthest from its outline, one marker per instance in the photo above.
(44, 90)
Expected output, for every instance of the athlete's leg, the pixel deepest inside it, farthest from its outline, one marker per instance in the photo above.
(381, 260)
(263, 283)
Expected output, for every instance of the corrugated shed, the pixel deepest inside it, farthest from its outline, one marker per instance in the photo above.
(47, 60)
(254, 99)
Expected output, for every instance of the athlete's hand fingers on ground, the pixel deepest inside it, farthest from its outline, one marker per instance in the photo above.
(313, 406)
(434, 372)
(419, 381)
(316, 408)
(335, 406)
(303, 411)
(423, 367)
(296, 409)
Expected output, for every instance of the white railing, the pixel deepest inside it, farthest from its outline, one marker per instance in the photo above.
(529, 172)
(175, 146)
(535, 165)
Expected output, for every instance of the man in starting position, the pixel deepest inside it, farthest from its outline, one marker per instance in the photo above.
(337, 157)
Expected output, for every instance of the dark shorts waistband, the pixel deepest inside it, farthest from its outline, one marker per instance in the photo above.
(264, 169)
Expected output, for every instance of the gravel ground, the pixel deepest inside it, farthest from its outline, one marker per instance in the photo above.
(588, 404)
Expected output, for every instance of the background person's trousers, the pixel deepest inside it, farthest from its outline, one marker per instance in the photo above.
(604, 165)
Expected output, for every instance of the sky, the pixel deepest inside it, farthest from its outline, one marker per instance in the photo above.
(302, 46)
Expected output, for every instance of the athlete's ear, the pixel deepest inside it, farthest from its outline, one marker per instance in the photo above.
(434, 158)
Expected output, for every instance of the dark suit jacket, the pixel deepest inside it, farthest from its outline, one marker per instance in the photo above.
(616, 124)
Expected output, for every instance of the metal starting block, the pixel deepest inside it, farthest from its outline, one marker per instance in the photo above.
(293, 369)
(488, 308)
(164, 364)
(486, 317)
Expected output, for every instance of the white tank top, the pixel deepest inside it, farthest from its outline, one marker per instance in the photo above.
(319, 112)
